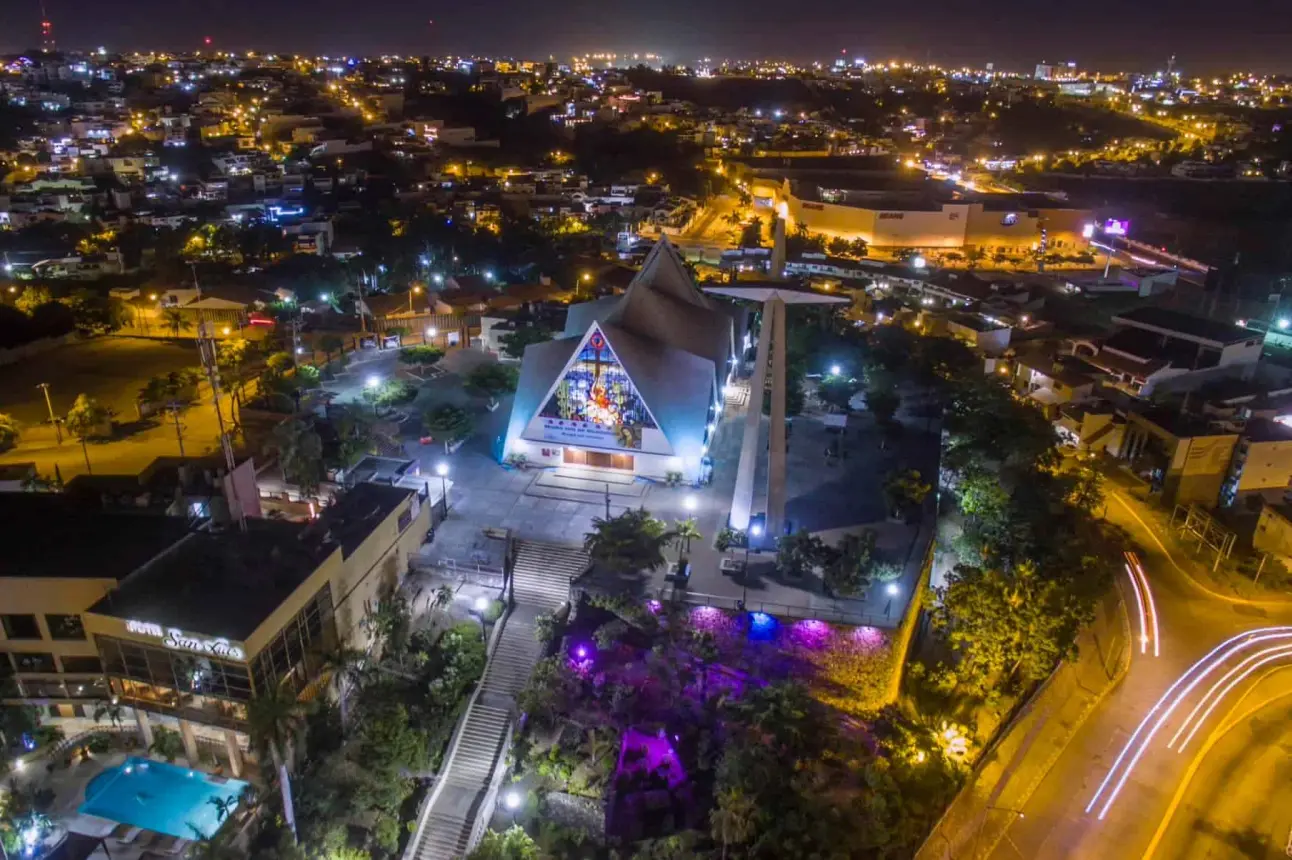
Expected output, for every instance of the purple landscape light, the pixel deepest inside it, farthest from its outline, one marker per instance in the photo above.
(810, 633)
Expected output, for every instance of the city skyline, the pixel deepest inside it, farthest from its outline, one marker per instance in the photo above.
(1013, 36)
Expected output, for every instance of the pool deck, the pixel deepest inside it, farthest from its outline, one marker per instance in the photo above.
(69, 785)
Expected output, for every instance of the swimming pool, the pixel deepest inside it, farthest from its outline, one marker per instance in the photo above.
(160, 797)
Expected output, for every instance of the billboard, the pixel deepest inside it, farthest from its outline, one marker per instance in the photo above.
(595, 404)
(1116, 227)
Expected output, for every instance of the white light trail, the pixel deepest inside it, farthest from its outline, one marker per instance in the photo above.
(1269, 655)
(1138, 573)
(1139, 605)
(1251, 638)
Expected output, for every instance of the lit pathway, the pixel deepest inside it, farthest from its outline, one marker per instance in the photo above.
(459, 808)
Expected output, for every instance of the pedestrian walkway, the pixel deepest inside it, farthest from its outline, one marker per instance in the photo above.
(463, 793)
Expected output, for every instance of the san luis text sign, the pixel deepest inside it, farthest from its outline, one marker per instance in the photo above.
(173, 637)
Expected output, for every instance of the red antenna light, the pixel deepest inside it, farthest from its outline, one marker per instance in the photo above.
(207, 40)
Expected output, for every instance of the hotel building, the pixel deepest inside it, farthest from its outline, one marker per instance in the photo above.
(185, 627)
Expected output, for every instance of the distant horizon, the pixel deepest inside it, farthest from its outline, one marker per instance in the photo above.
(1013, 34)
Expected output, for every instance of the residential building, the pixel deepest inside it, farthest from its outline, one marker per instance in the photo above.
(1184, 457)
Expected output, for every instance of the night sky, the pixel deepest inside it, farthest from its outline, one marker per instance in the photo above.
(1016, 34)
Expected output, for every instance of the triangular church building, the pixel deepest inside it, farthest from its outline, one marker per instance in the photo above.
(635, 381)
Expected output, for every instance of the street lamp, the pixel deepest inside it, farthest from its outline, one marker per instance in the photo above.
(835, 370)
(442, 469)
(437, 278)
(512, 800)
(892, 590)
(488, 275)
(412, 292)
(44, 386)
(690, 503)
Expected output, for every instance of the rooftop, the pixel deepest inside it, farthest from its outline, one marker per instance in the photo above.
(74, 542)
(219, 583)
(349, 520)
(1184, 325)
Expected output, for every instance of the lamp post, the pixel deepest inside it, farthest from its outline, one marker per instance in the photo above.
(412, 292)
(442, 469)
(430, 335)
(372, 384)
(44, 386)
(754, 531)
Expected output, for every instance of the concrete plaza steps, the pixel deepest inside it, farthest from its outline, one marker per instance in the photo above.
(542, 584)
(543, 571)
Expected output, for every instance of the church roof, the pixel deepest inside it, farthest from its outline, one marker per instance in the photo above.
(663, 270)
(658, 316)
(663, 304)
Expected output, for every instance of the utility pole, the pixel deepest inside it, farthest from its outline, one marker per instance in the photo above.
(44, 386)
(207, 350)
(174, 409)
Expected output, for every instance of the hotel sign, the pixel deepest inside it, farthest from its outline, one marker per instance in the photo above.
(178, 640)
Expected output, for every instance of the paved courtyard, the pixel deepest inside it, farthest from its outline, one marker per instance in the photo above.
(827, 496)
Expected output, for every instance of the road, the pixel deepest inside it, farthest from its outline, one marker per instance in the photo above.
(1228, 805)
(1054, 821)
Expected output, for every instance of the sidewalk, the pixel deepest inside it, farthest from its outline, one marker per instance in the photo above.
(1010, 771)
(1224, 583)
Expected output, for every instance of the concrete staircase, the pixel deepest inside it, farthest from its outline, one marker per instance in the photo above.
(542, 582)
(543, 572)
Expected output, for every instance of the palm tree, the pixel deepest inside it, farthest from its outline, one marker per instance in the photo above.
(732, 822)
(84, 420)
(300, 454)
(112, 710)
(687, 530)
(345, 668)
(628, 543)
(275, 721)
(8, 432)
(217, 847)
(174, 319)
(223, 806)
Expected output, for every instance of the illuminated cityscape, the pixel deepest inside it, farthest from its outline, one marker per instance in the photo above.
(647, 438)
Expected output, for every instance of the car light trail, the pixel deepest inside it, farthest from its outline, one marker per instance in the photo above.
(1137, 574)
(1139, 605)
(1211, 662)
(1260, 658)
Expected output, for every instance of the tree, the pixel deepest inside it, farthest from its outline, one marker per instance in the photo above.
(512, 844)
(31, 298)
(798, 553)
(231, 358)
(514, 343)
(492, 380)
(628, 543)
(1087, 493)
(223, 806)
(732, 821)
(331, 343)
(905, 491)
(838, 246)
(167, 744)
(848, 565)
(448, 423)
(111, 711)
(275, 720)
(85, 420)
(8, 432)
(1006, 623)
(837, 391)
(858, 248)
(355, 434)
(174, 319)
(300, 454)
(686, 531)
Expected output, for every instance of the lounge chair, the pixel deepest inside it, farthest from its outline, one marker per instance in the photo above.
(126, 833)
(147, 840)
(180, 846)
(165, 844)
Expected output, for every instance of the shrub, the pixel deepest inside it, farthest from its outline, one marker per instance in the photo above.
(420, 356)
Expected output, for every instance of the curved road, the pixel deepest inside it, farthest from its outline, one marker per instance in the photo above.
(1053, 823)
